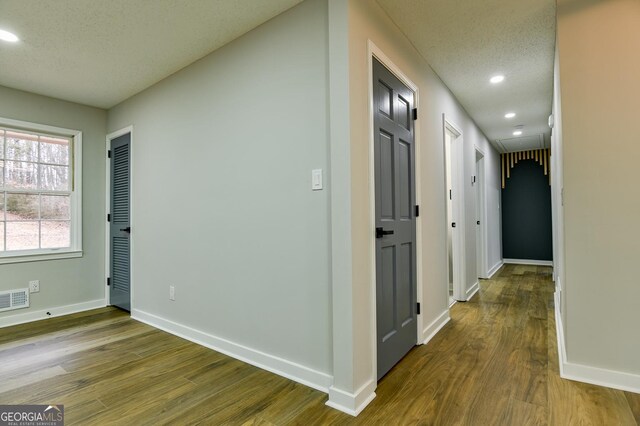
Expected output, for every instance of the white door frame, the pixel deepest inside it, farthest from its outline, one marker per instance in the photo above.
(374, 52)
(457, 186)
(481, 209)
(107, 252)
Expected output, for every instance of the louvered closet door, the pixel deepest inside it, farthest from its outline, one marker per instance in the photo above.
(120, 226)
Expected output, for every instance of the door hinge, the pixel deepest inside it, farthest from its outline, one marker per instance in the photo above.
(417, 211)
(418, 308)
(108, 281)
(415, 114)
(108, 218)
(109, 154)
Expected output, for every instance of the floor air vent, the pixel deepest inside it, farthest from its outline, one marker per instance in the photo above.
(14, 299)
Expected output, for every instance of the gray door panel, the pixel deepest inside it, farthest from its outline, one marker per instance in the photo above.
(395, 215)
(120, 246)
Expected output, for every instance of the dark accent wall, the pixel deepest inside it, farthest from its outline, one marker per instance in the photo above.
(526, 213)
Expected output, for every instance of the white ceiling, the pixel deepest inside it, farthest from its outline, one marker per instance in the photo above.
(100, 52)
(468, 41)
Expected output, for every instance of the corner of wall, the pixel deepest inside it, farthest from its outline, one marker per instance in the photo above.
(435, 326)
(587, 374)
(352, 403)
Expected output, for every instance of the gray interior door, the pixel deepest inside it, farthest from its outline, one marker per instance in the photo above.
(120, 282)
(395, 218)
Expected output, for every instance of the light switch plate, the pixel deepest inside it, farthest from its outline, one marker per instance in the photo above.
(316, 179)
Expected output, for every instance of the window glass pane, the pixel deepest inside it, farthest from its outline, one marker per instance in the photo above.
(35, 191)
(22, 235)
(55, 234)
(55, 207)
(54, 178)
(54, 151)
(22, 206)
(22, 147)
(20, 175)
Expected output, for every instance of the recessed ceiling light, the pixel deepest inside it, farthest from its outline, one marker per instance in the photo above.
(517, 133)
(510, 115)
(7, 36)
(497, 79)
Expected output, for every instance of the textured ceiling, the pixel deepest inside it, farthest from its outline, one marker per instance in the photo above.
(100, 52)
(468, 41)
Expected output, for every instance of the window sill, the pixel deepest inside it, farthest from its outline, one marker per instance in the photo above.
(38, 257)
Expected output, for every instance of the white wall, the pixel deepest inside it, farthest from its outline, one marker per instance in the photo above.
(368, 22)
(600, 92)
(222, 202)
(557, 184)
(70, 281)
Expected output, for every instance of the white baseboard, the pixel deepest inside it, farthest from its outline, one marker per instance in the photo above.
(528, 262)
(586, 373)
(352, 403)
(473, 290)
(26, 316)
(495, 269)
(280, 366)
(436, 325)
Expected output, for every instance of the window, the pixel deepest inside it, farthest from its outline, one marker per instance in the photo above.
(39, 200)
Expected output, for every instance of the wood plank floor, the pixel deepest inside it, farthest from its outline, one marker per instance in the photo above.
(495, 363)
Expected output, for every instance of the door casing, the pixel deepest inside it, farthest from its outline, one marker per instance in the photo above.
(107, 251)
(457, 185)
(374, 51)
(481, 209)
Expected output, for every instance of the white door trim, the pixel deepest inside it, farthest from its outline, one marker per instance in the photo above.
(107, 252)
(374, 51)
(480, 187)
(457, 185)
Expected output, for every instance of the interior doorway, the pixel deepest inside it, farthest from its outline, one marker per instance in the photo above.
(454, 196)
(481, 218)
(118, 260)
(395, 218)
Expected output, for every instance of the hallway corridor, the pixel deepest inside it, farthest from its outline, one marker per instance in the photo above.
(496, 363)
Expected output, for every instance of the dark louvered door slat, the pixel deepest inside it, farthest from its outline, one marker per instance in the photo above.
(120, 222)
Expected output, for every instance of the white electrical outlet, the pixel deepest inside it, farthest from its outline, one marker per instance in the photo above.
(34, 286)
(172, 293)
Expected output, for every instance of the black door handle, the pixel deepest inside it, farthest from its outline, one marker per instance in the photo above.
(478, 223)
(127, 229)
(453, 225)
(381, 232)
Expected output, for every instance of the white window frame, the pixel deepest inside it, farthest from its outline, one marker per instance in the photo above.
(75, 250)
